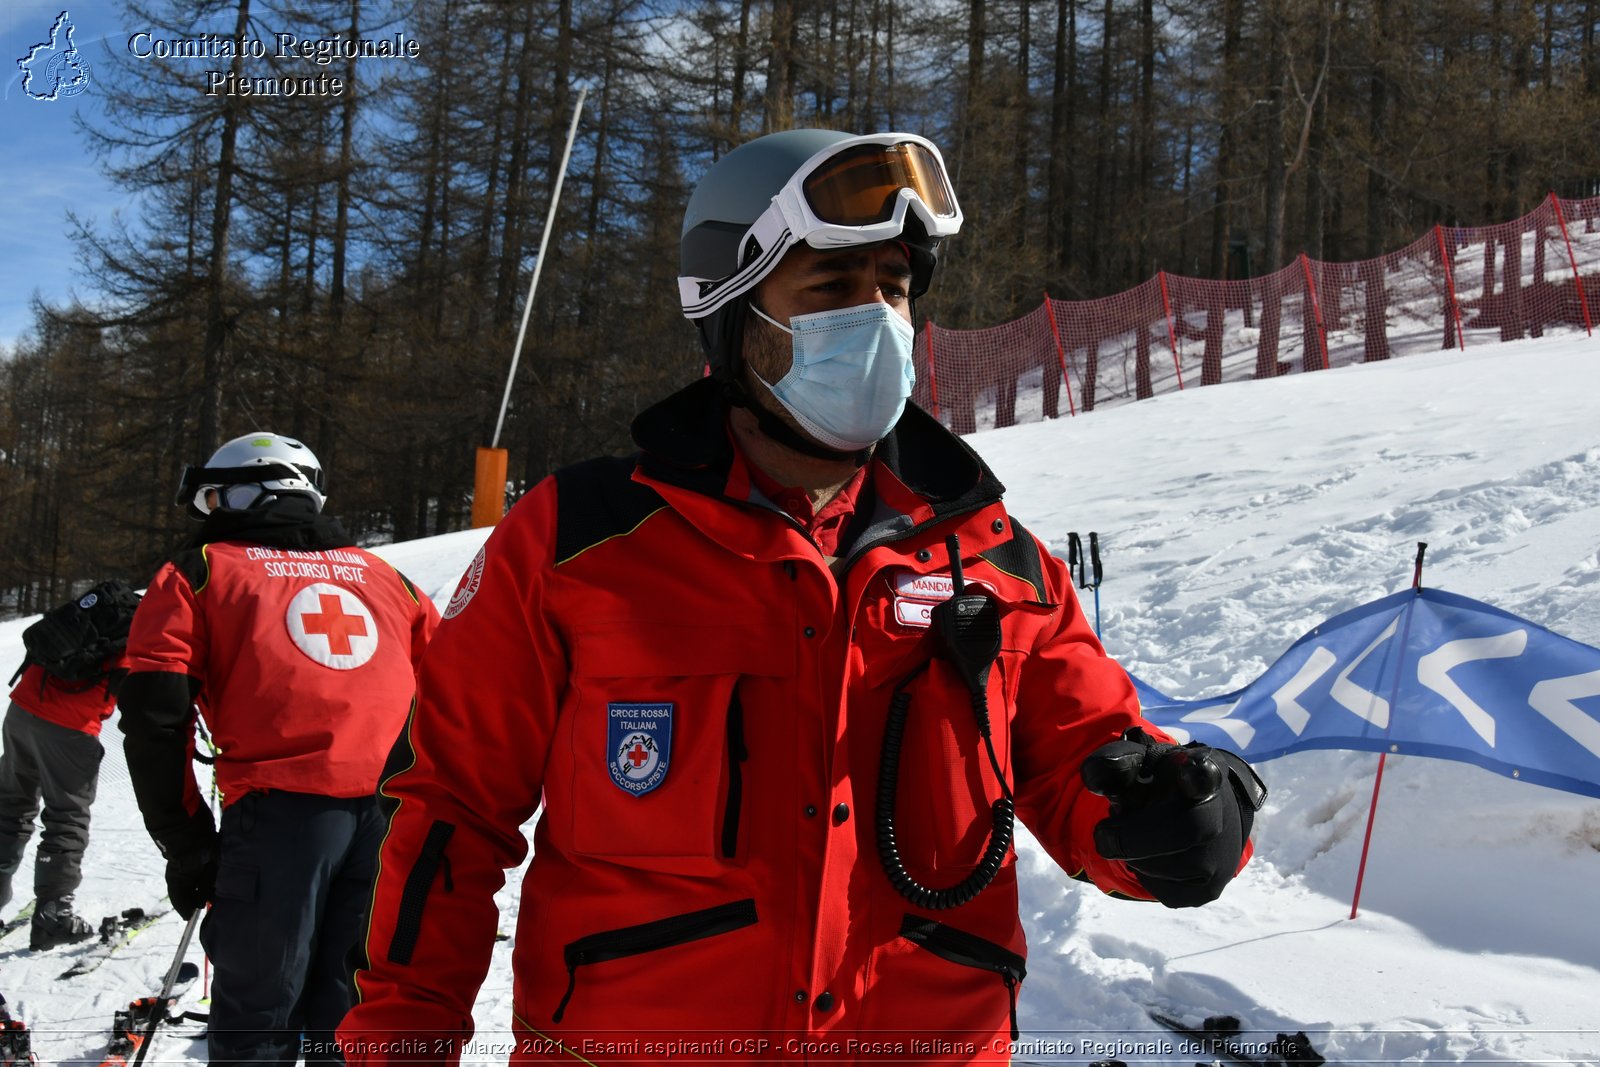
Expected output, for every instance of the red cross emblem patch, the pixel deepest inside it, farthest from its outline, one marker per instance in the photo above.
(639, 738)
(332, 626)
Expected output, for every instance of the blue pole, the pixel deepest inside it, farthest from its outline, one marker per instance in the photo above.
(1094, 563)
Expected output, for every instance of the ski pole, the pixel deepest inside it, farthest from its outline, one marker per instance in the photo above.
(1081, 565)
(159, 1011)
(1094, 560)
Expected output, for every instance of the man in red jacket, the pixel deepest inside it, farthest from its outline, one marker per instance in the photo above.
(782, 680)
(53, 753)
(300, 650)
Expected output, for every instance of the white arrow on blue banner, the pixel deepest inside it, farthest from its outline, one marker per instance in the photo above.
(1423, 672)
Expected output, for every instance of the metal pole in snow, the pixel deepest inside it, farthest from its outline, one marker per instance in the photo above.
(1094, 565)
(1377, 782)
(533, 286)
(1080, 565)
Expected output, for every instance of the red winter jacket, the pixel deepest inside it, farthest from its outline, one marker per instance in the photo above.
(701, 705)
(81, 706)
(302, 662)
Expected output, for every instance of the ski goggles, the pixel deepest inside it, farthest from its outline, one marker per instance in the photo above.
(227, 497)
(236, 488)
(856, 192)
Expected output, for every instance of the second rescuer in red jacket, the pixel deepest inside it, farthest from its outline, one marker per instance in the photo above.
(300, 650)
(782, 680)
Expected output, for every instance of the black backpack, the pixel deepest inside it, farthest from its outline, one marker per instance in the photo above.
(73, 641)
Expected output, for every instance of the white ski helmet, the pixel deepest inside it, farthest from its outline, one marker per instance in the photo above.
(252, 471)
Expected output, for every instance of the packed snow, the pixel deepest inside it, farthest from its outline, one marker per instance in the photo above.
(1231, 521)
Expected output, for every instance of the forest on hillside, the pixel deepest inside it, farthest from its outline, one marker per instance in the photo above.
(351, 267)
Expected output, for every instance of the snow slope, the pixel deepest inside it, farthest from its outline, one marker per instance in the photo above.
(1231, 521)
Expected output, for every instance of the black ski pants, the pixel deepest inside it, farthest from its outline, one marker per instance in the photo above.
(291, 901)
(61, 766)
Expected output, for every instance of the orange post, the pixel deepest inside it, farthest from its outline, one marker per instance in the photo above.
(1450, 282)
(1577, 275)
(1061, 354)
(489, 487)
(1172, 333)
(1316, 306)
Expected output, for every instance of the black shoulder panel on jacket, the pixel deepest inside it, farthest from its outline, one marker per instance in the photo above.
(1019, 557)
(191, 563)
(597, 500)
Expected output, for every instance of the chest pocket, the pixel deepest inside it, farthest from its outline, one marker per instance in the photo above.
(654, 727)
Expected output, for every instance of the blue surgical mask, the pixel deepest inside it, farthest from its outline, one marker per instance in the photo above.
(851, 375)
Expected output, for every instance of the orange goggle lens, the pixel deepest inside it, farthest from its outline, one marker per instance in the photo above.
(858, 186)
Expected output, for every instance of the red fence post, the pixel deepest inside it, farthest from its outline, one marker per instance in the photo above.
(1316, 307)
(1061, 355)
(1450, 285)
(1383, 757)
(933, 375)
(1577, 279)
(1172, 334)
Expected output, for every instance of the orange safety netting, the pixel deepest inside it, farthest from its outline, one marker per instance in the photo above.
(1451, 288)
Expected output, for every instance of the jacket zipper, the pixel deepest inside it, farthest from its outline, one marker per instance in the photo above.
(648, 937)
(737, 754)
(969, 950)
(408, 924)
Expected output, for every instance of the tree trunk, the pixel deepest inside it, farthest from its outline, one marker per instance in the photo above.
(888, 63)
(779, 112)
(1316, 155)
(509, 276)
(741, 68)
(1099, 194)
(1023, 134)
(1227, 95)
(976, 31)
(1147, 140)
(341, 209)
(1058, 215)
(1377, 118)
(217, 311)
(1276, 184)
(1375, 342)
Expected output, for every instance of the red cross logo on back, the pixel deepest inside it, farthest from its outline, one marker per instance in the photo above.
(332, 626)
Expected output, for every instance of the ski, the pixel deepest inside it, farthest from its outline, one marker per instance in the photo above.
(133, 1027)
(1220, 1036)
(18, 921)
(115, 932)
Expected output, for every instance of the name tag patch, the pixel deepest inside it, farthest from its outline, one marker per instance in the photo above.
(639, 743)
(916, 595)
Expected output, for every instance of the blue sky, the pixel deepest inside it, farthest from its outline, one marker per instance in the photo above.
(49, 166)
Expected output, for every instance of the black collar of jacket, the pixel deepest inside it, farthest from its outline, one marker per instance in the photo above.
(288, 522)
(684, 441)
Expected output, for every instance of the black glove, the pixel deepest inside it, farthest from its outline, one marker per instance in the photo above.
(1180, 816)
(192, 856)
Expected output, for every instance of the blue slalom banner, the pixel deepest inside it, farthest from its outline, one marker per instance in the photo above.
(1420, 672)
